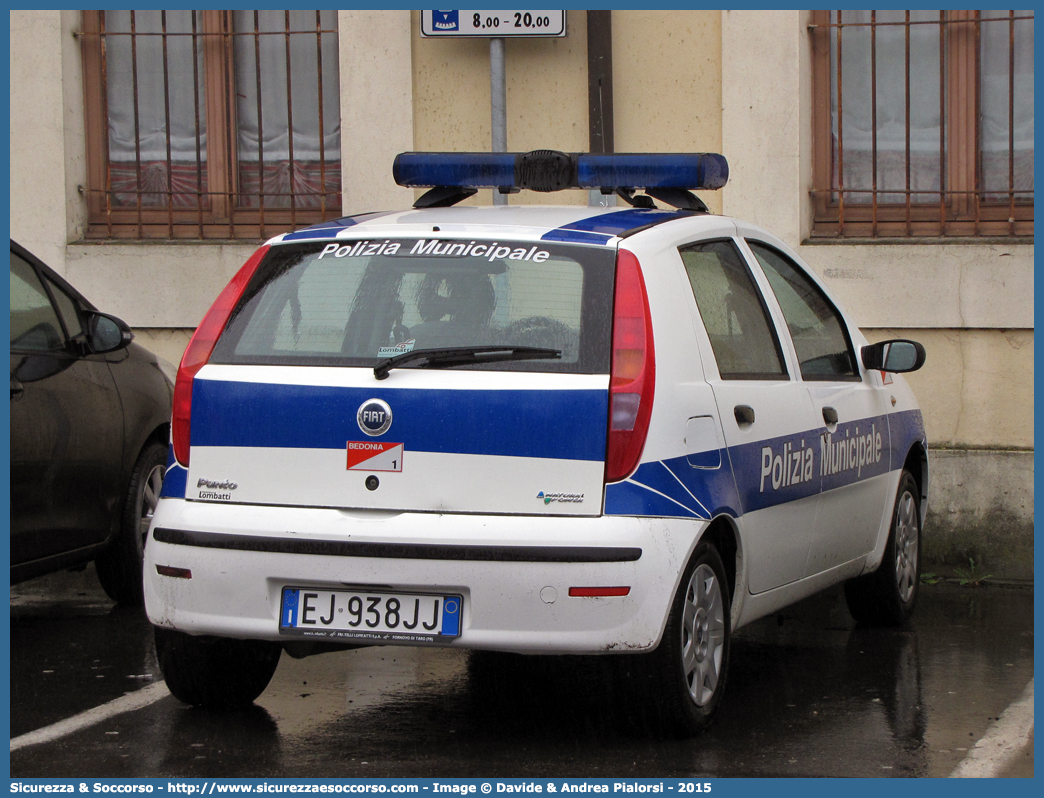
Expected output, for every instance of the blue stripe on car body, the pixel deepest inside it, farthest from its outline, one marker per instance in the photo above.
(630, 498)
(671, 488)
(653, 490)
(331, 228)
(675, 489)
(614, 224)
(567, 236)
(175, 480)
(906, 429)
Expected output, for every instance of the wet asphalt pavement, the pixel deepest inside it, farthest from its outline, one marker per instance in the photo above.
(809, 694)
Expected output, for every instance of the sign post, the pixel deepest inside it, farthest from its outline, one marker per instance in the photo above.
(497, 26)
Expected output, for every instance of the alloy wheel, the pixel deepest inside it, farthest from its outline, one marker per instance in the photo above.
(150, 494)
(703, 634)
(906, 545)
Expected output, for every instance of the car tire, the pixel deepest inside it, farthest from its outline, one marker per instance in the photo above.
(681, 683)
(215, 672)
(887, 596)
(119, 566)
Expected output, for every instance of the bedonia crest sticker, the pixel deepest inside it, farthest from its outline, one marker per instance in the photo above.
(374, 456)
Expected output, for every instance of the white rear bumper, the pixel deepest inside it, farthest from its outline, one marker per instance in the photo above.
(514, 572)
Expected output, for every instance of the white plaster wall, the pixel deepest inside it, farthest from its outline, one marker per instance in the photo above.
(966, 285)
(376, 107)
(767, 119)
(667, 83)
(164, 342)
(38, 169)
(976, 386)
(155, 284)
(75, 122)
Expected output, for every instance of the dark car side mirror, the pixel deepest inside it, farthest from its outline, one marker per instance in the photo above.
(106, 333)
(897, 356)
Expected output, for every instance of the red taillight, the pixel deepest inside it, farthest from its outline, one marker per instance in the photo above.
(633, 370)
(197, 353)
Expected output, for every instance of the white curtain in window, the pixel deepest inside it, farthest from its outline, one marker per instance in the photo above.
(269, 57)
(151, 111)
(926, 61)
(273, 117)
(996, 90)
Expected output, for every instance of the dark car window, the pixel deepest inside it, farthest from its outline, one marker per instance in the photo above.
(734, 315)
(820, 338)
(34, 324)
(329, 306)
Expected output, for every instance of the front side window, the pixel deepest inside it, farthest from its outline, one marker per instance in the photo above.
(211, 124)
(733, 312)
(67, 308)
(34, 324)
(923, 123)
(823, 348)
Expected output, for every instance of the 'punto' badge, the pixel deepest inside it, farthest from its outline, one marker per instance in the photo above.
(374, 417)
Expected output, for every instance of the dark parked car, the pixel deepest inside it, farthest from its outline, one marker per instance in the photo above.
(90, 425)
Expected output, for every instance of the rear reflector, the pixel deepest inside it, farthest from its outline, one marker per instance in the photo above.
(179, 573)
(198, 351)
(598, 591)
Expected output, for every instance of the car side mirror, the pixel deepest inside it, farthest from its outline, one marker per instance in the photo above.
(106, 333)
(897, 356)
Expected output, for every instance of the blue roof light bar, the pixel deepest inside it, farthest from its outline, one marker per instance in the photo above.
(697, 170)
(463, 169)
(549, 170)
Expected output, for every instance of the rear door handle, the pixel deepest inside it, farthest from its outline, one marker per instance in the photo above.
(829, 415)
(744, 415)
(16, 388)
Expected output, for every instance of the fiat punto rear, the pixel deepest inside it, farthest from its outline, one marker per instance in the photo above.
(529, 429)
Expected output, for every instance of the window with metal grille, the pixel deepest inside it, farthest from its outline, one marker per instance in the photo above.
(211, 124)
(923, 123)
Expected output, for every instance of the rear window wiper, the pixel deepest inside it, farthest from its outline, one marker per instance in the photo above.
(462, 356)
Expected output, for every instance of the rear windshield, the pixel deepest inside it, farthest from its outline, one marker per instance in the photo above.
(355, 303)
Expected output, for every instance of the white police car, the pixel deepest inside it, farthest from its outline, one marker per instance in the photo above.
(532, 429)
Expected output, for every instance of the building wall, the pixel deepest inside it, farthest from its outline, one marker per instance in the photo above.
(38, 139)
(667, 84)
(377, 108)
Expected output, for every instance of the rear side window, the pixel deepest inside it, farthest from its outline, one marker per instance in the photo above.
(823, 347)
(355, 303)
(734, 314)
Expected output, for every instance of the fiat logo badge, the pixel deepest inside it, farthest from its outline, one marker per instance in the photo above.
(374, 417)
